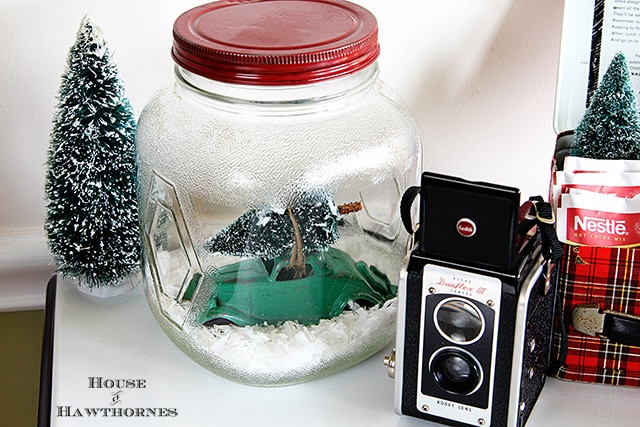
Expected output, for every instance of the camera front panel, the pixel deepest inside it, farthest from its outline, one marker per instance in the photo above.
(458, 344)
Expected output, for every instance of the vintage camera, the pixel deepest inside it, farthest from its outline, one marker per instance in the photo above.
(476, 301)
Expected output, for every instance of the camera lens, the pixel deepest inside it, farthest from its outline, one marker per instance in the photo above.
(459, 321)
(456, 371)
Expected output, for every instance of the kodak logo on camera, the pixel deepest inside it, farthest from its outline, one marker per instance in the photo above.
(466, 227)
(471, 222)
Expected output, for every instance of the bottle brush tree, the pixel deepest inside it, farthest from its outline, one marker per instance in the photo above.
(92, 215)
(610, 127)
(310, 225)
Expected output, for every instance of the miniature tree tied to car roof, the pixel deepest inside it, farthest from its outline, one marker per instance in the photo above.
(309, 225)
(92, 216)
(610, 128)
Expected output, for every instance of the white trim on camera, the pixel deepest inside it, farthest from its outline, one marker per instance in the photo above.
(519, 344)
(400, 330)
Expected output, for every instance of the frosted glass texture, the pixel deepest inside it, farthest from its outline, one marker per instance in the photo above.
(234, 180)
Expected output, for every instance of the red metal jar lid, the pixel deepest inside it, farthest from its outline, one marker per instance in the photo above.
(275, 42)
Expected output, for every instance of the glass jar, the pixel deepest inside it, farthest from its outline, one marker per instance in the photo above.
(271, 173)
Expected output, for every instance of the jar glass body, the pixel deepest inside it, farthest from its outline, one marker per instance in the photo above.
(270, 217)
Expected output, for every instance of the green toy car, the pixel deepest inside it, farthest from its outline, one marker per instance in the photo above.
(255, 291)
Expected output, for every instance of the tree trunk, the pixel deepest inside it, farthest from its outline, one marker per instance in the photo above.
(298, 260)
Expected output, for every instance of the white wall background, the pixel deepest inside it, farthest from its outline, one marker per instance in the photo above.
(479, 76)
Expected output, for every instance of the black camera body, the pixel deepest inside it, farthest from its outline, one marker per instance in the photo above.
(475, 308)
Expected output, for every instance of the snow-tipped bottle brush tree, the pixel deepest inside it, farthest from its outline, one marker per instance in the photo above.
(92, 215)
(610, 127)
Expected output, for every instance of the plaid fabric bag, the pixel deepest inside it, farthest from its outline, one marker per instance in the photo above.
(603, 283)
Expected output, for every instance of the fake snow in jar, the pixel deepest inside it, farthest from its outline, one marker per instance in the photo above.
(271, 173)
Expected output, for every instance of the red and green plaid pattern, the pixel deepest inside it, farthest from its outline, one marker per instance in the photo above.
(610, 277)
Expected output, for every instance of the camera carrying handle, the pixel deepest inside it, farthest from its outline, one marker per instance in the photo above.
(552, 248)
(406, 203)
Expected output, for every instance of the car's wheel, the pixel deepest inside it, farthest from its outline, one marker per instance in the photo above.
(218, 322)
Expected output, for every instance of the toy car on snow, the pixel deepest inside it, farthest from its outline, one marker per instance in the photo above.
(256, 291)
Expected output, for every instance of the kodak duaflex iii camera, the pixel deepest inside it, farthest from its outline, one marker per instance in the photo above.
(476, 301)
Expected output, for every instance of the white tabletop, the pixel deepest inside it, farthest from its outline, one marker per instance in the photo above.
(123, 341)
